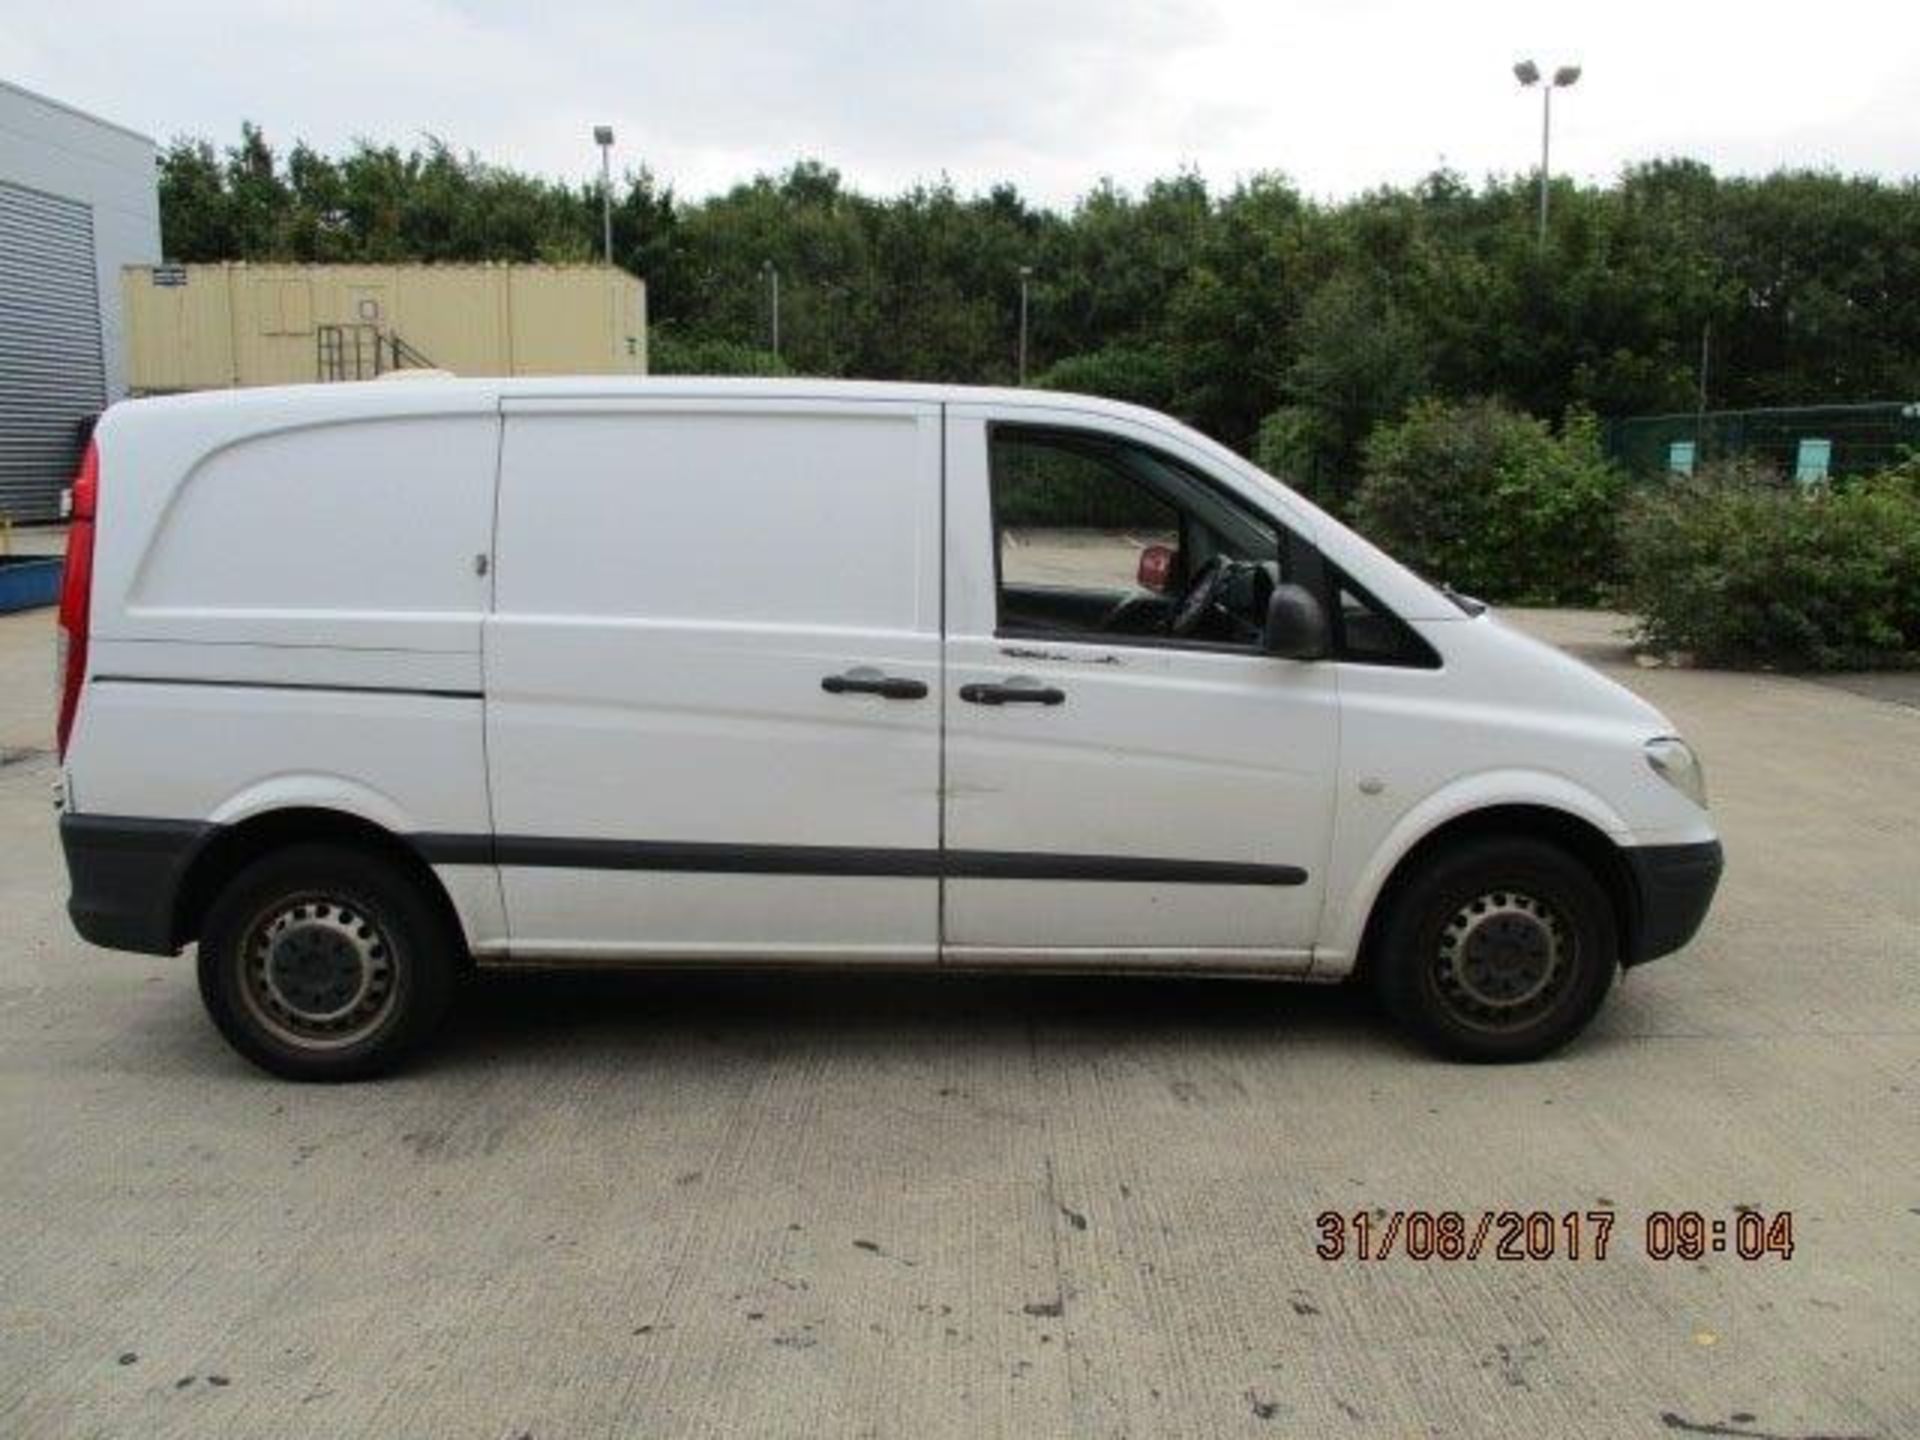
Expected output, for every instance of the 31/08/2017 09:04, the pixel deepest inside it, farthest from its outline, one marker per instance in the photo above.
(1546, 1234)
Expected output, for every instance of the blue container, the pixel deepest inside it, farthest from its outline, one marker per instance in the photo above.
(29, 581)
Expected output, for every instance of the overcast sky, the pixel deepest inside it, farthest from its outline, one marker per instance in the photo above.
(1339, 94)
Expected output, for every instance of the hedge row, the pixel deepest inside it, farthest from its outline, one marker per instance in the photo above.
(1744, 570)
(1737, 566)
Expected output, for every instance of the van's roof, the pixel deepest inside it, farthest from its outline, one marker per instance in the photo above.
(781, 389)
(422, 391)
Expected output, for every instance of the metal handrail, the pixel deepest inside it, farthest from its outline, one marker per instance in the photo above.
(343, 352)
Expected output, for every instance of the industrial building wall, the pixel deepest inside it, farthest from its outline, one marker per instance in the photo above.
(51, 376)
(78, 201)
(194, 327)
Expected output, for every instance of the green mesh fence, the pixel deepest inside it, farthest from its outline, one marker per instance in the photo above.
(1810, 441)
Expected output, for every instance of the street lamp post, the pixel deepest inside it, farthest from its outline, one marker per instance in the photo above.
(603, 137)
(1026, 273)
(773, 302)
(1528, 74)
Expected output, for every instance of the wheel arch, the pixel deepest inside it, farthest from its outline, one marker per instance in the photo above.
(1576, 834)
(231, 848)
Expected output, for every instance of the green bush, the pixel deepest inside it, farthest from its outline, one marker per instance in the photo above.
(1135, 374)
(1493, 503)
(1740, 569)
(673, 354)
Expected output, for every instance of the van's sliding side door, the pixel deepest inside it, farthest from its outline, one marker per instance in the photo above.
(713, 679)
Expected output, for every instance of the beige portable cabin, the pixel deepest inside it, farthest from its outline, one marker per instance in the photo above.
(202, 327)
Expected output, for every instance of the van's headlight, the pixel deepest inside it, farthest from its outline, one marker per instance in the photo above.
(1673, 761)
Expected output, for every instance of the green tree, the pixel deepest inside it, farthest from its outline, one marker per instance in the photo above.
(196, 219)
(1358, 360)
(1273, 322)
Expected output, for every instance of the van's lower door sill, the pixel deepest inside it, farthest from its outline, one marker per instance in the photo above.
(1224, 960)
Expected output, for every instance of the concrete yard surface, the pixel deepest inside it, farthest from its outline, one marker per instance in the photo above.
(922, 1205)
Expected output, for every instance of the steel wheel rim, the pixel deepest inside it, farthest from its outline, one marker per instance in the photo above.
(318, 972)
(1503, 960)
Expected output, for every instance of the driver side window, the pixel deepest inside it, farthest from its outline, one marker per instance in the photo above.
(1099, 539)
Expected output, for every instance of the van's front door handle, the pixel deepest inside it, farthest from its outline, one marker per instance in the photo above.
(1013, 695)
(865, 681)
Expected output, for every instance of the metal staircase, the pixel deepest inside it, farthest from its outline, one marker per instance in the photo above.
(362, 351)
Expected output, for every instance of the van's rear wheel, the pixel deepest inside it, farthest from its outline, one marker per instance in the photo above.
(1500, 949)
(319, 962)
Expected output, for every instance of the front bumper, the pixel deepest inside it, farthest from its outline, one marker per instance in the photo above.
(1674, 886)
(126, 875)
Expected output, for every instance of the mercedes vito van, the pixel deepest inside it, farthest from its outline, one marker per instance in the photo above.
(364, 685)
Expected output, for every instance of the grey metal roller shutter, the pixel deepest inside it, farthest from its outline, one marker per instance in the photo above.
(50, 366)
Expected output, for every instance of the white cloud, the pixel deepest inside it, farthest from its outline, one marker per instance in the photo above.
(1341, 94)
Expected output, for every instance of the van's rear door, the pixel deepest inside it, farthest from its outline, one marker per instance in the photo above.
(713, 679)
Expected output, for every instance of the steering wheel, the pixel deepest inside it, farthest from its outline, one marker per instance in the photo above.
(1202, 591)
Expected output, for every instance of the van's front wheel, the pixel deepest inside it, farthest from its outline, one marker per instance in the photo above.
(318, 962)
(1502, 949)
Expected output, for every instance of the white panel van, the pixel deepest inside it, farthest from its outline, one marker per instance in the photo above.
(367, 685)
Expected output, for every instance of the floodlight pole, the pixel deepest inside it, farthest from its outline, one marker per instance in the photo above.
(603, 137)
(1528, 74)
(1546, 142)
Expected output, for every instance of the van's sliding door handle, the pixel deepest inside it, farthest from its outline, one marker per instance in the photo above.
(863, 680)
(1012, 695)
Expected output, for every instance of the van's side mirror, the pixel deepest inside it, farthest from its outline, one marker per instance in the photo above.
(1296, 627)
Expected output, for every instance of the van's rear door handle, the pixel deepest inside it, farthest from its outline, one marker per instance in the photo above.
(1013, 695)
(864, 680)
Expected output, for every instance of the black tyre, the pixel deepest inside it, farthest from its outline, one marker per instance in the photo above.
(321, 962)
(1499, 949)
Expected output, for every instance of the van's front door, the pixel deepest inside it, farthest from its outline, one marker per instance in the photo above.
(713, 680)
(1129, 780)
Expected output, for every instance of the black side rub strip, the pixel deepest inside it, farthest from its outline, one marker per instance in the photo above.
(288, 685)
(679, 856)
(127, 872)
(1023, 865)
